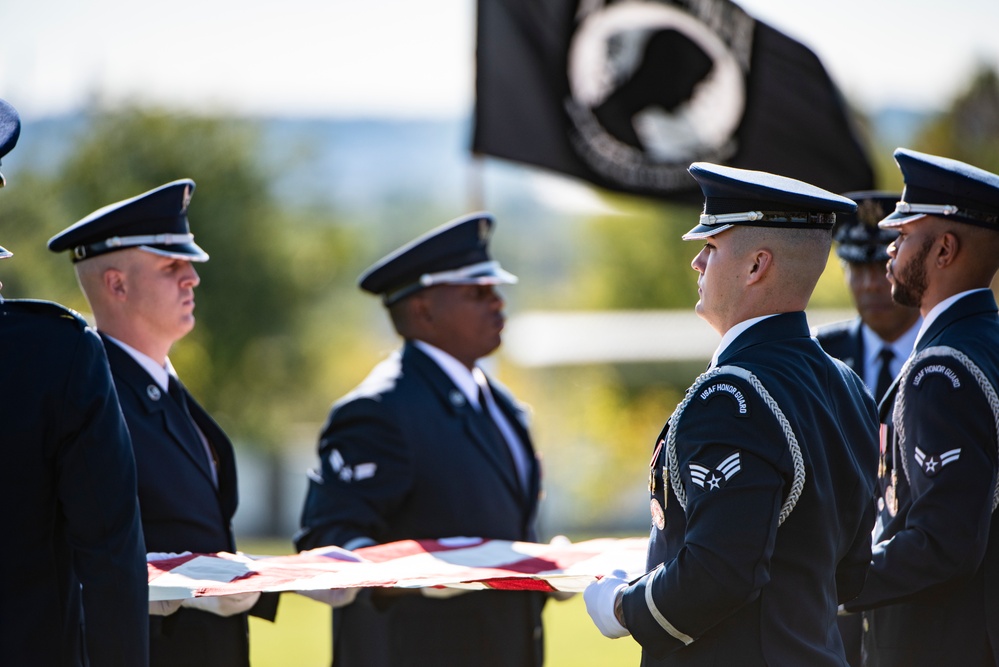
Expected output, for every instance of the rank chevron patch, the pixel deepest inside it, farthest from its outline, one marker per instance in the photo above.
(711, 479)
(932, 464)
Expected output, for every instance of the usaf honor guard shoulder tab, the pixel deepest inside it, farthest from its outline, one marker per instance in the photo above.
(723, 387)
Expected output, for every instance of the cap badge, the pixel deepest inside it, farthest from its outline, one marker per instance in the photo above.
(870, 212)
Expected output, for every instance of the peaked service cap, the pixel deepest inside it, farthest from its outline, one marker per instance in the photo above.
(10, 130)
(857, 235)
(944, 187)
(456, 253)
(155, 221)
(760, 199)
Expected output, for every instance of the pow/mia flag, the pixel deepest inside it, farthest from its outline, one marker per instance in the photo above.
(627, 93)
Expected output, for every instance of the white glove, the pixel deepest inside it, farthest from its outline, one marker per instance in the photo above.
(442, 593)
(600, 598)
(163, 607)
(334, 597)
(223, 605)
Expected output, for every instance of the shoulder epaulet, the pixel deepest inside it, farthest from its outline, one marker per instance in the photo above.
(47, 308)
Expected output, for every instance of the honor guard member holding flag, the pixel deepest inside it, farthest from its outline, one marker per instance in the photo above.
(429, 446)
(877, 342)
(933, 588)
(134, 261)
(74, 576)
(762, 481)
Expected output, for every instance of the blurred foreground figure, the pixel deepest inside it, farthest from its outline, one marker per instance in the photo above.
(430, 447)
(762, 481)
(73, 591)
(933, 589)
(133, 260)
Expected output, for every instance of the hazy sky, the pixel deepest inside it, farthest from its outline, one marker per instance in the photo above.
(415, 57)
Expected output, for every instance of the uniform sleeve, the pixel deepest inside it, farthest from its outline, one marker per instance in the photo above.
(852, 570)
(733, 462)
(364, 476)
(97, 493)
(949, 449)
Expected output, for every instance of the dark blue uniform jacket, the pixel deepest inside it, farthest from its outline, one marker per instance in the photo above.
(404, 456)
(182, 510)
(844, 341)
(67, 483)
(766, 471)
(934, 581)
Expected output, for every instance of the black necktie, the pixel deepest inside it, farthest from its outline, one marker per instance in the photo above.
(885, 376)
(177, 393)
(499, 441)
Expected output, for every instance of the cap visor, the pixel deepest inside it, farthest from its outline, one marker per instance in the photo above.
(495, 276)
(899, 219)
(189, 251)
(704, 231)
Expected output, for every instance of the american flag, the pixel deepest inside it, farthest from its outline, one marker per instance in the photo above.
(460, 562)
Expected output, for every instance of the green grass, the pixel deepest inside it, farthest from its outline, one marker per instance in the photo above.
(300, 635)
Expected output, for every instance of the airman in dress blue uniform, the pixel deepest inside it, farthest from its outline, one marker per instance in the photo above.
(430, 447)
(762, 482)
(877, 342)
(73, 591)
(133, 260)
(932, 594)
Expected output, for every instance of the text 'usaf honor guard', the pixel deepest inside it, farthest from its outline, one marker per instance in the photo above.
(762, 481)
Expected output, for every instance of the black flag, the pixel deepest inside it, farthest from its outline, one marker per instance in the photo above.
(626, 94)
